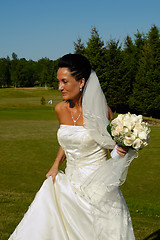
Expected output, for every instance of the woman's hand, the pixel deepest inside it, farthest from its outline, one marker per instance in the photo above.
(52, 172)
(122, 150)
(54, 169)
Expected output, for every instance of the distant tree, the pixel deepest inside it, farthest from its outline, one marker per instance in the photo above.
(112, 85)
(5, 77)
(28, 74)
(140, 40)
(130, 77)
(146, 93)
(44, 72)
(54, 69)
(79, 47)
(128, 66)
(43, 101)
(14, 56)
(94, 51)
(13, 70)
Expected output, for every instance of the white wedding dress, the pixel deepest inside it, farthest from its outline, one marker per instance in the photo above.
(75, 207)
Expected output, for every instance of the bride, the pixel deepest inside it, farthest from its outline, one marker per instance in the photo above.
(85, 202)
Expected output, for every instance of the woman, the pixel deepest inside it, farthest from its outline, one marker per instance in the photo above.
(70, 109)
(85, 202)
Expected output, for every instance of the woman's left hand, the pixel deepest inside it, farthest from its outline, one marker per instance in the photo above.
(122, 150)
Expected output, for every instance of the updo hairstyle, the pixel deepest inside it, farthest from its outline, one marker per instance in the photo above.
(78, 65)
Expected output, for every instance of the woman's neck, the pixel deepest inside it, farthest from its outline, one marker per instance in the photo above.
(77, 103)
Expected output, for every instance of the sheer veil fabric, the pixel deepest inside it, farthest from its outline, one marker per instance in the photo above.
(95, 113)
(95, 119)
(101, 188)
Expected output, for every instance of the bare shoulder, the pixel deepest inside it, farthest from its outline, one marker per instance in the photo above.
(61, 109)
(60, 106)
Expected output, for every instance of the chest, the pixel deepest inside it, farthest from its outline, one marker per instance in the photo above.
(71, 118)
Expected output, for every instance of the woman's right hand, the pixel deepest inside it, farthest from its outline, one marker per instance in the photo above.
(54, 169)
(52, 172)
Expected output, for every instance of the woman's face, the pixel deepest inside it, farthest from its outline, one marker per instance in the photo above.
(69, 87)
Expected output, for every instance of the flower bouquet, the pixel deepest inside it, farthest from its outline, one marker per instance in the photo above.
(129, 130)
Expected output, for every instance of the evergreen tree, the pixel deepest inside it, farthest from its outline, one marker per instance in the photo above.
(13, 70)
(54, 70)
(130, 77)
(128, 67)
(5, 76)
(112, 84)
(146, 93)
(14, 56)
(140, 40)
(79, 47)
(94, 51)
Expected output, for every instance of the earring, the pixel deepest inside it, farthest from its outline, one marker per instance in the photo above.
(80, 89)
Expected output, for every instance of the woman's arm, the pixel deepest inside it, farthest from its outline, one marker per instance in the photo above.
(61, 154)
(58, 161)
(110, 113)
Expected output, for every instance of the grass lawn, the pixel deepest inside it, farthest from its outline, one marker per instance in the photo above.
(28, 147)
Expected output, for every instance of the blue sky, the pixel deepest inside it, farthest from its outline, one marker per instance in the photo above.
(34, 28)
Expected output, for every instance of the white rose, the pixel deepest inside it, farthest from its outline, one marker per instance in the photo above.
(135, 132)
(115, 122)
(120, 117)
(127, 117)
(131, 130)
(137, 143)
(139, 117)
(132, 136)
(147, 129)
(138, 126)
(119, 128)
(133, 119)
(142, 135)
(128, 142)
(125, 130)
(115, 133)
(132, 125)
(127, 124)
(129, 138)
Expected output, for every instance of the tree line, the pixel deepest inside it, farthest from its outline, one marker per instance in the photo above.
(22, 73)
(129, 73)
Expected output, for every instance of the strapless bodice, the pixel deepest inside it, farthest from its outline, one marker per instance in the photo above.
(83, 154)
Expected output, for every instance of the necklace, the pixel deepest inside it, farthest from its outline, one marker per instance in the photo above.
(75, 120)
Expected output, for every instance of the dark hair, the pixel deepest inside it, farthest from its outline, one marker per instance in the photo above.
(78, 65)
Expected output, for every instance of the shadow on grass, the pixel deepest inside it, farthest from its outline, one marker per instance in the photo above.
(153, 236)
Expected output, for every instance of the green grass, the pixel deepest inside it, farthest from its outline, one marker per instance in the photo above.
(28, 147)
(29, 98)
